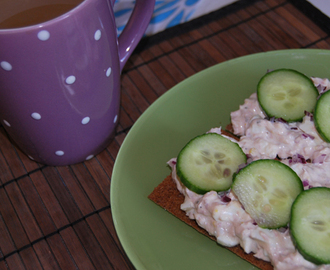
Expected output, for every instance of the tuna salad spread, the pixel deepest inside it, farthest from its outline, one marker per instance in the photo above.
(301, 147)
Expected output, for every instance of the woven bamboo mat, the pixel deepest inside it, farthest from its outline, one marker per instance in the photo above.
(60, 217)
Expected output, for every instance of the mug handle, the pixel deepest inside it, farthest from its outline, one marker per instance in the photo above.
(134, 29)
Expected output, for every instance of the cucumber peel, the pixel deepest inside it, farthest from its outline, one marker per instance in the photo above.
(286, 94)
(310, 224)
(208, 162)
(267, 188)
(322, 116)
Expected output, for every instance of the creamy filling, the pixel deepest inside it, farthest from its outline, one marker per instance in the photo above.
(299, 146)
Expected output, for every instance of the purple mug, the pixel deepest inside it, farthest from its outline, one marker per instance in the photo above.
(60, 80)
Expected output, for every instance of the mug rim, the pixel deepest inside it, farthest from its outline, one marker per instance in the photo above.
(45, 23)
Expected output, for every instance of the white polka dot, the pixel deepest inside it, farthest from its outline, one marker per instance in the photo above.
(108, 72)
(89, 157)
(85, 120)
(59, 153)
(6, 123)
(43, 35)
(70, 80)
(97, 34)
(6, 66)
(36, 116)
(115, 119)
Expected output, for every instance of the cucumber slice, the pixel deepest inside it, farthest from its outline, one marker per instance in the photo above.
(310, 224)
(286, 94)
(208, 162)
(322, 116)
(267, 188)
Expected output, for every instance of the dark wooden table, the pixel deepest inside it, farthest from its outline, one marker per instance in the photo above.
(60, 217)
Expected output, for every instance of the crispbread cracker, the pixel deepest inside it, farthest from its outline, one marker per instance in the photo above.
(167, 196)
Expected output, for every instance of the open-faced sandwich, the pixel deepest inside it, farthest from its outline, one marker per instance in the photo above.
(261, 187)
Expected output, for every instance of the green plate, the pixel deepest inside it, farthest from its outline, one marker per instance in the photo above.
(153, 238)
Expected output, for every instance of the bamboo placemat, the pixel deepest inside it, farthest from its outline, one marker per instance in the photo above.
(60, 217)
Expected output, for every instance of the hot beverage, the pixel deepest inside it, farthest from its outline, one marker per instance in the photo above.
(32, 14)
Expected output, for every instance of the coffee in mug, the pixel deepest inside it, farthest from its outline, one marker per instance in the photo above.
(15, 14)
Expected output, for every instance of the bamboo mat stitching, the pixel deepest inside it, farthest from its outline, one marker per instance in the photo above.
(98, 211)
(17, 251)
(3, 257)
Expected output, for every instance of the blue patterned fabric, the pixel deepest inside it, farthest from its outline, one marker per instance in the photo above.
(167, 13)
